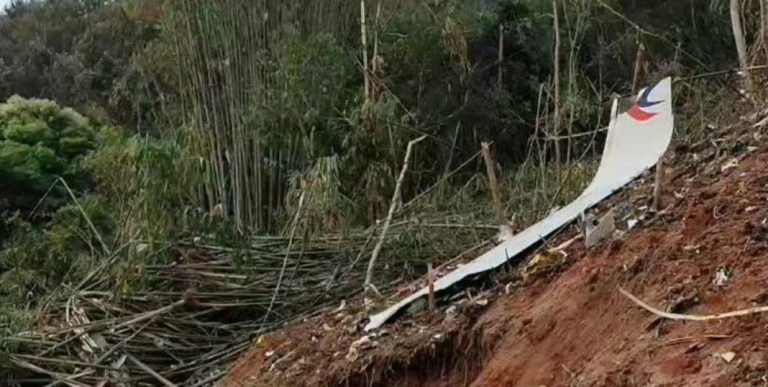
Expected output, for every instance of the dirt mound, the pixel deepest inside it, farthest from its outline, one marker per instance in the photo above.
(579, 330)
(706, 253)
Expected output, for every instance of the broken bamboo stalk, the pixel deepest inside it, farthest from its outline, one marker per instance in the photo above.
(431, 287)
(364, 39)
(388, 220)
(556, 124)
(493, 184)
(741, 45)
(151, 372)
(658, 185)
(639, 61)
(500, 79)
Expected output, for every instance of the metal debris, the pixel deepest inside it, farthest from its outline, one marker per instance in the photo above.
(732, 163)
(603, 230)
(722, 276)
(727, 356)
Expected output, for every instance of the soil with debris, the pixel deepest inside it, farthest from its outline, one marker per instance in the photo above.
(706, 253)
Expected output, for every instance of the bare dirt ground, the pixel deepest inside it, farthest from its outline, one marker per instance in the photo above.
(706, 253)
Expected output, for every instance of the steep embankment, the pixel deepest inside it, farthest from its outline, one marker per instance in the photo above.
(570, 326)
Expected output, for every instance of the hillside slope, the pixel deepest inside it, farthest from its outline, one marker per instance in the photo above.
(706, 253)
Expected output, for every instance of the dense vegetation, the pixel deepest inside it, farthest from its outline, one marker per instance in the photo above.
(132, 130)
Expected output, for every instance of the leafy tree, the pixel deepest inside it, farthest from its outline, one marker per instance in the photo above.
(100, 57)
(39, 141)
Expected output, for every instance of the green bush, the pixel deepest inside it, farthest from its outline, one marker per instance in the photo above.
(40, 141)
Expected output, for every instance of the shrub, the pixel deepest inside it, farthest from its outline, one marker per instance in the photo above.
(40, 141)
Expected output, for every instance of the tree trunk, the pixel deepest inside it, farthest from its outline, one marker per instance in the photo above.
(741, 44)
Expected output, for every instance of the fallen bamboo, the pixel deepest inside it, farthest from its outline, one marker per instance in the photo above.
(151, 372)
(61, 378)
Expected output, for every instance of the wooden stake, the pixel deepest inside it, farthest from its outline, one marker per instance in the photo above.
(431, 286)
(493, 184)
(659, 185)
(392, 207)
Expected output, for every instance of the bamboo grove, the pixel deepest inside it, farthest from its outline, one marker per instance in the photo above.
(231, 55)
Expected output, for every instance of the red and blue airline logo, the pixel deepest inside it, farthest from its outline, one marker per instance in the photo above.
(639, 112)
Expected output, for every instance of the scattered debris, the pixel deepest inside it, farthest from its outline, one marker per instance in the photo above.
(603, 230)
(544, 262)
(354, 350)
(568, 243)
(722, 276)
(727, 356)
(546, 312)
(281, 360)
(694, 248)
(732, 163)
(505, 233)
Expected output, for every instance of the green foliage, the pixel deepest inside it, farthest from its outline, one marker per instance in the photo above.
(13, 322)
(325, 207)
(39, 142)
(93, 55)
(36, 260)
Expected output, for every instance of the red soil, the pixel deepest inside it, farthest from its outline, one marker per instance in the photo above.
(574, 328)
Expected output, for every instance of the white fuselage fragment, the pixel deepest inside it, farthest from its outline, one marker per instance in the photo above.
(635, 142)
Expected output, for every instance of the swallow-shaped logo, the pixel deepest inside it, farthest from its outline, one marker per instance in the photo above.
(638, 110)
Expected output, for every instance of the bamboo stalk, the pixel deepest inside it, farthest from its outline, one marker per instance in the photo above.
(658, 185)
(741, 44)
(431, 286)
(764, 27)
(395, 200)
(151, 372)
(636, 77)
(493, 185)
(556, 75)
(364, 38)
(500, 75)
(285, 261)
